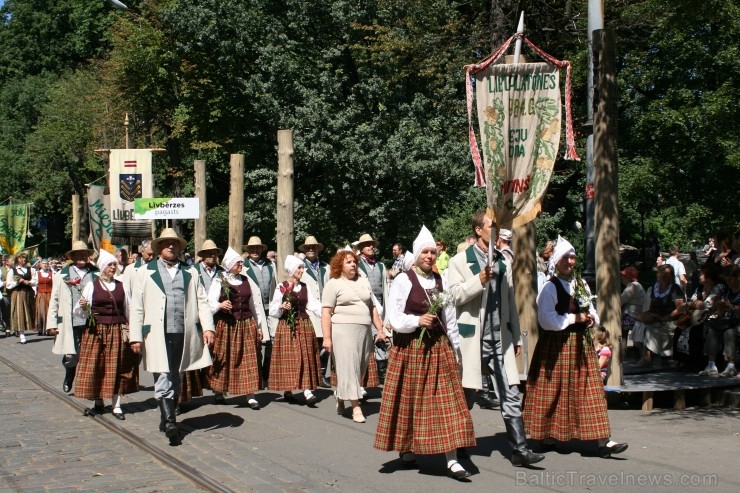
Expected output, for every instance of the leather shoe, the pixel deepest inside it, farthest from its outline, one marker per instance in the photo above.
(288, 397)
(408, 463)
(617, 448)
(66, 387)
(119, 415)
(254, 404)
(485, 402)
(325, 383)
(523, 458)
(311, 400)
(219, 399)
(458, 475)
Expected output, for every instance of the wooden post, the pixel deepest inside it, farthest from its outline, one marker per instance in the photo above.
(75, 217)
(525, 288)
(236, 203)
(200, 193)
(285, 240)
(606, 200)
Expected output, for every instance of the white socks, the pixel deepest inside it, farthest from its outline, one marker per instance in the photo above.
(452, 463)
(308, 393)
(117, 402)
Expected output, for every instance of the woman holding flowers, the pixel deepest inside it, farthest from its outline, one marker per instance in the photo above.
(348, 312)
(237, 314)
(565, 393)
(423, 409)
(107, 368)
(295, 354)
(20, 283)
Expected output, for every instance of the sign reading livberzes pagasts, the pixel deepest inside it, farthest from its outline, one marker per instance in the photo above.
(166, 208)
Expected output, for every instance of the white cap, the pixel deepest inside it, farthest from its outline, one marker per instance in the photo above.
(231, 257)
(105, 258)
(291, 264)
(562, 248)
(424, 240)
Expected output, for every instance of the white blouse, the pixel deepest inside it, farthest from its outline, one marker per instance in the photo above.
(313, 305)
(406, 324)
(87, 293)
(214, 293)
(547, 299)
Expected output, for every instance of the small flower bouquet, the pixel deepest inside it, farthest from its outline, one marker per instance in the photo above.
(583, 299)
(225, 288)
(77, 285)
(286, 288)
(436, 300)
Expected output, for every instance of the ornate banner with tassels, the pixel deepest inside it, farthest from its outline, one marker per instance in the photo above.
(519, 115)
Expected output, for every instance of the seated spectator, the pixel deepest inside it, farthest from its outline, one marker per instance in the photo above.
(663, 302)
(603, 351)
(723, 304)
(724, 255)
(632, 301)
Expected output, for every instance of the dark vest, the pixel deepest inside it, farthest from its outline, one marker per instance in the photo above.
(239, 296)
(566, 304)
(109, 307)
(26, 276)
(418, 300)
(298, 302)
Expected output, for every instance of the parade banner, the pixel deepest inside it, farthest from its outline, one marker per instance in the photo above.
(13, 227)
(101, 222)
(519, 116)
(167, 208)
(130, 179)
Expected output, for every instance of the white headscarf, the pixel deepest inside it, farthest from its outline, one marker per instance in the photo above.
(105, 258)
(291, 264)
(231, 257)
(424, 240)
(562, 248)
(408, 260)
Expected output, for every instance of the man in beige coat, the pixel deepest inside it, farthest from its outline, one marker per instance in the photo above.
(488, 322)
(170, 315)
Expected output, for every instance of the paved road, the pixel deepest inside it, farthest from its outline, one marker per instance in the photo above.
(46, 445)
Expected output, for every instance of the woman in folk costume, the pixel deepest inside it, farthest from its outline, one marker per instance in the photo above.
(565, 394)
(107, 369)
(295, 354)
(44, 280)
(237, 317)
(20, 283)
(423, 409)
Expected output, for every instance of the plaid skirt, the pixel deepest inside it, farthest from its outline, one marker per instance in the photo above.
(21, 310)
(235, 356)
(42, 306)
(565, 394)
(192, 384)
(107, 366)
(295, 358)
(423, 408)
(369, 379)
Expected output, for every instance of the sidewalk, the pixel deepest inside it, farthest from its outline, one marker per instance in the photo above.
(286, 447)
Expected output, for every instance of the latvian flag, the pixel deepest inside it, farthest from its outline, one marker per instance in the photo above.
(129, 164)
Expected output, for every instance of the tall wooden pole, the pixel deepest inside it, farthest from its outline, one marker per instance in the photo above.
(200, 193)
(75, 217)
(285, 239)
(525, 289)
(606, 200)
(236, 203)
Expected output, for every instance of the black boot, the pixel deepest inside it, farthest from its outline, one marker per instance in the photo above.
(488, 401)
(177, 406)
(69, 378)
(163, 417)
(382, 366)
(170, 425)
(520, 454)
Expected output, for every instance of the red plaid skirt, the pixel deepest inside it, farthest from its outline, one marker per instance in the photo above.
(235, 366)
(565, 394)
(192, 384)
(370, 379)
(107, 366)
(295, 359)
(423, 408)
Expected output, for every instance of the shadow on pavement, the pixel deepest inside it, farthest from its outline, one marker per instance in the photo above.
(210, 422)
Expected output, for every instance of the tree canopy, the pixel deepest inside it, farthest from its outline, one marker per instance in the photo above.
(374, 92)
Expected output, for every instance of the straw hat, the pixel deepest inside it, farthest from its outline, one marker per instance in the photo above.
(209, 245)
(255, 241)
(79, 246)
(168, 234)
(311, 241)
(366, 238)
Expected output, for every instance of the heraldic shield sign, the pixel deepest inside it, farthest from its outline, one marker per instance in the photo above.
(131, 170)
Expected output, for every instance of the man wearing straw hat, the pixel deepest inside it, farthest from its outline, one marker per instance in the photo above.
(65, 318)
(375, 272)
(262, 272)
(318, 275)
(208, 267)
(170, 322)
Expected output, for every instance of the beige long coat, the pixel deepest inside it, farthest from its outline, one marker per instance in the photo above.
(59, 316)
(468, 296)
(146, 319)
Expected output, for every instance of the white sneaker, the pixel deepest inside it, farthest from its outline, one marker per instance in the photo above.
(709, 372)
(729, 372)
(23, 338)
